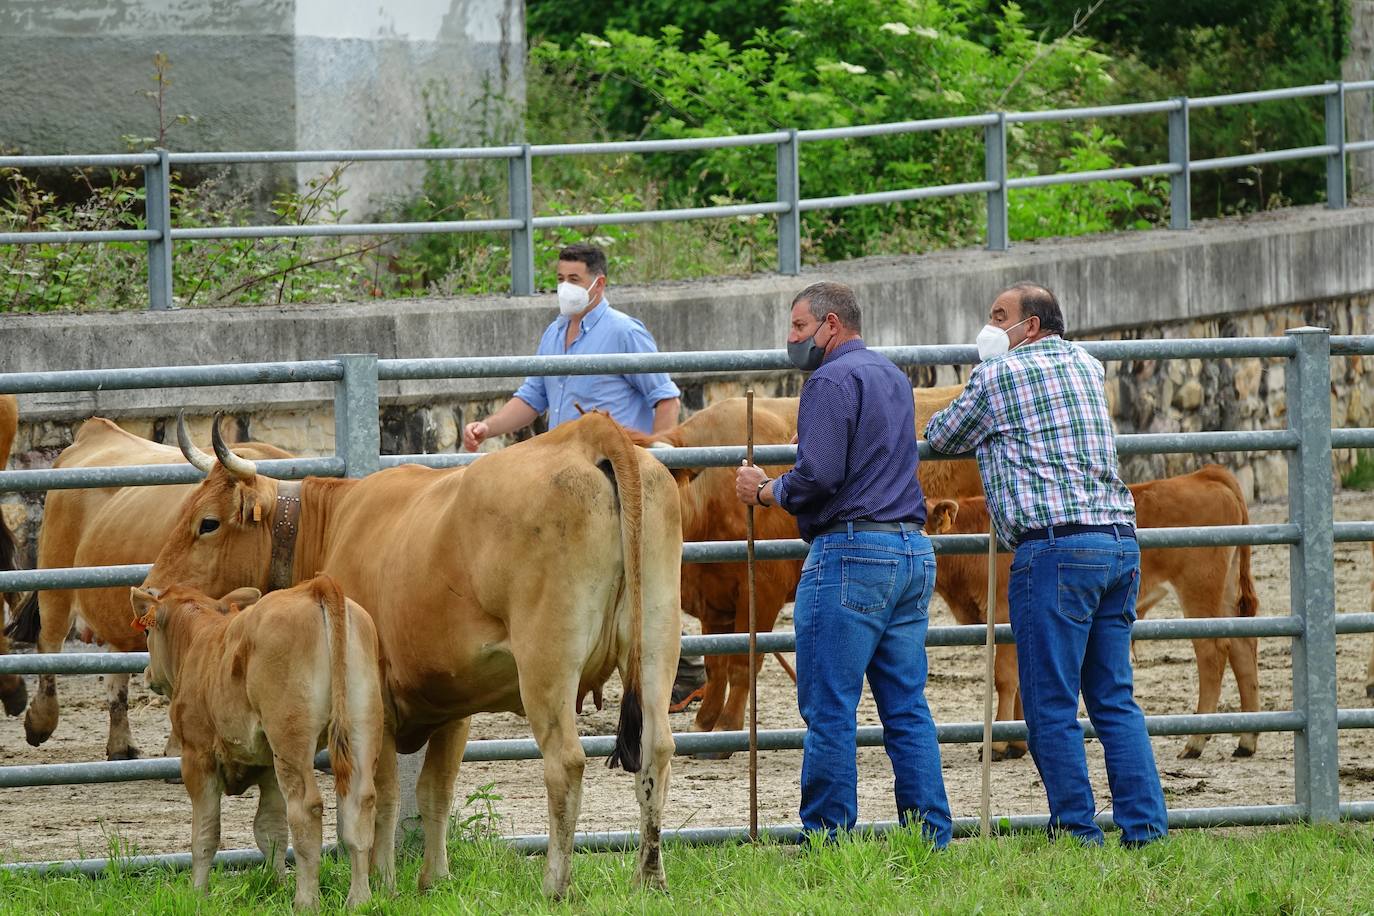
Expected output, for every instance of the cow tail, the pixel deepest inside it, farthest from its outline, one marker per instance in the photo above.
(331, 599)
(625, 465)
(1248, 605)
(27, 621)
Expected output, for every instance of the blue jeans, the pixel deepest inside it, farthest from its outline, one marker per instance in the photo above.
(862, 609)
(1072, 604)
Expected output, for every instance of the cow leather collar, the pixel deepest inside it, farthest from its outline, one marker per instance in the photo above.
(285, 527)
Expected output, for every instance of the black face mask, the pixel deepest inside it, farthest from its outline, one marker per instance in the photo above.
(806, 355)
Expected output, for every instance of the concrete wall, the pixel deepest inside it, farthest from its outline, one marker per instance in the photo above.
(1249, 277)
(256, 74)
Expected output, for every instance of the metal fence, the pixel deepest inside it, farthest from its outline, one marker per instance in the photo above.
(1310, 533)
(160, 234)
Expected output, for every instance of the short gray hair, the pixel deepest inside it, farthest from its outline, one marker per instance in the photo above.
(1040, 302)
(828, 296)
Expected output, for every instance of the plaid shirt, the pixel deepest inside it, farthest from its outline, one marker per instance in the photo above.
(1037, 417)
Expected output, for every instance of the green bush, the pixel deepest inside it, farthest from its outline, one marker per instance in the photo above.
(845, 62)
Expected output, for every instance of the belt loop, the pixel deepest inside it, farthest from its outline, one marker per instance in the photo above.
(1049, 534)
(850, 527)
(1116, 530)
(902, 526)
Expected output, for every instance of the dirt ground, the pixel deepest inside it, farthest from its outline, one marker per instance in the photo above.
(63, 822)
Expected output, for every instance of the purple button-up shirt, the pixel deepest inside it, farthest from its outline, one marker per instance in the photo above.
(856, 445)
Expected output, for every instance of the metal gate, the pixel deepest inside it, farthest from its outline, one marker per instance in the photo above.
(1312, 624)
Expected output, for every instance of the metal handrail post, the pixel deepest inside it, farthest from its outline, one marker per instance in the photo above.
(1181, 182)
(1316, 777)
(357, 426)
(1335, 136)
(789, 192)
(995, 170)
(522, 208)
(358, 441)
(157, 186)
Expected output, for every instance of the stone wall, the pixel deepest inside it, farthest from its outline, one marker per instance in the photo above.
(1146, 396)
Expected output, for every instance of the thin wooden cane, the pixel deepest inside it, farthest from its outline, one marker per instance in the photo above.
(753, 636)
(989, 673)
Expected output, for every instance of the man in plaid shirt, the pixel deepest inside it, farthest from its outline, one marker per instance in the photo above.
(1035, 411)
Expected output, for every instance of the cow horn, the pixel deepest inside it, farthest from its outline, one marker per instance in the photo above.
(241, 468)
(199, 459)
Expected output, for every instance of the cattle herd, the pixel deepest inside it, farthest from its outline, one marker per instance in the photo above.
(379, 614)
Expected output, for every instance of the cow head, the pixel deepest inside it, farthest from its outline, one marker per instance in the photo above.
(223, 536)
(169, 618)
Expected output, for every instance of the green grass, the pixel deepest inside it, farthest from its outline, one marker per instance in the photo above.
(1361, 476)
(1289, 870)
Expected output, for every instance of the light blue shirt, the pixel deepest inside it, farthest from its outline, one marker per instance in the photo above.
(629, 399)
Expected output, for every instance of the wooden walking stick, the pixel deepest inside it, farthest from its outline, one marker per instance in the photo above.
(989, 673)
(753, 634)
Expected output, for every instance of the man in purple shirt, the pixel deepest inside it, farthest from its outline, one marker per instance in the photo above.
(863, 599)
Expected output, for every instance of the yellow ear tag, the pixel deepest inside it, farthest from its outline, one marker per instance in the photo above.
(146, 622)
(257, 512)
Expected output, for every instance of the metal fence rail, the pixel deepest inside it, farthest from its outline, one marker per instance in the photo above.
(522, 222)
(1312, 624)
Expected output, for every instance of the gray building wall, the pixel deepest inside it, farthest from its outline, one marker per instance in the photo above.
(256, 74)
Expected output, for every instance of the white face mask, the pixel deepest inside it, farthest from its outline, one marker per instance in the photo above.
(572, 298)
(993, 341)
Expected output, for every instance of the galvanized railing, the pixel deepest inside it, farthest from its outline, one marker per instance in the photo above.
(1312, 623)
(522, 223)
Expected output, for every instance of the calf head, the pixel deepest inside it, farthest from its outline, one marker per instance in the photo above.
(223, 537)
(170, 618)
(941, 515)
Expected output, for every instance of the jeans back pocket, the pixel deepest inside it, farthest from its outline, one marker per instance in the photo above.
(1081, 587)
(867, 583)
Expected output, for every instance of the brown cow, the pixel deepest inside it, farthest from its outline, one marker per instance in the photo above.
(255, 693)
(717, 593)
(105, 527)
(518, 583)
(13, 694)
(1369, 670)
(1209, 582)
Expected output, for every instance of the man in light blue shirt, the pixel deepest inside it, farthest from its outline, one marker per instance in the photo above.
(586, 324)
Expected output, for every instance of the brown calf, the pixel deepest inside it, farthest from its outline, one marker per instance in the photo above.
(1209, 582)
(717, 593)
(254, 694)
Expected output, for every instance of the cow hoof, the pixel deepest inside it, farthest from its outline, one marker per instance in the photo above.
(1190, 753)
(129, 753)
(16, 699)
(1015, 752)
(1243, 751)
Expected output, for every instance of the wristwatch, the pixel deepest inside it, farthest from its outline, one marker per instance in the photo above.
(758, 492)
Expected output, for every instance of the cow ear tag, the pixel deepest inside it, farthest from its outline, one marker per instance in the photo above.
(257, 512)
